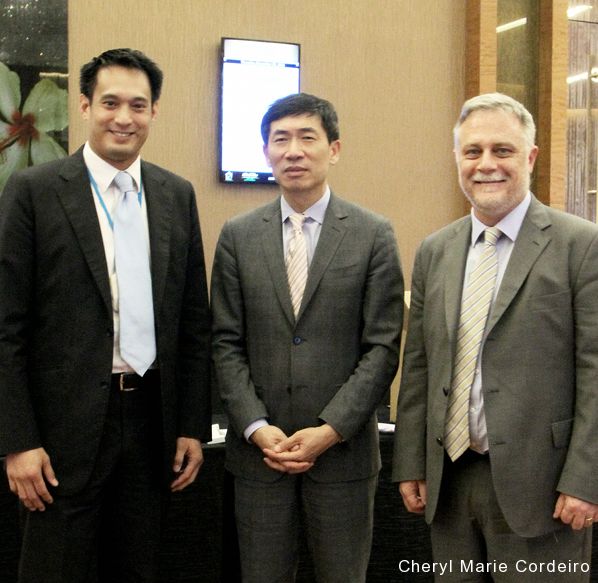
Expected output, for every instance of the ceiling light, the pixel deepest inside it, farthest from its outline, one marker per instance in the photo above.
(510, 25)
(584, 76)
(574, 11)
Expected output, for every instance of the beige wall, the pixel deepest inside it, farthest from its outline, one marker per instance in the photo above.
(393, 68)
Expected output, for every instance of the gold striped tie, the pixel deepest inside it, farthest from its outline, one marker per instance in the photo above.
(475, 307)
(297, 262)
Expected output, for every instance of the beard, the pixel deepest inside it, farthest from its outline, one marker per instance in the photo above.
(493, 203)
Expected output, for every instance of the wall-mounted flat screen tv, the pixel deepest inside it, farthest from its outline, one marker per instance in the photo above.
(254, 74)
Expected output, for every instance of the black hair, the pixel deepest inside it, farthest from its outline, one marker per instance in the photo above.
(298, 104)
(128, 58)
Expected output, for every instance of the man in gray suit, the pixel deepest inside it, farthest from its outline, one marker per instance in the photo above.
(98, 413)
(302, 363)
(512, 491)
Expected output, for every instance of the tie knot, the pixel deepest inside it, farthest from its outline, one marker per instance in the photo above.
(491, 235)
(124, 182)
(297, 220)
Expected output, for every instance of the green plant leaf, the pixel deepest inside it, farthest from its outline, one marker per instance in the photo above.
(10, 92)
(48, 103)
(45, 149)
(3, 131)
(11, 159)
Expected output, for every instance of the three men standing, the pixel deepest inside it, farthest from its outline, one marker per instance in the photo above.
(104, 377)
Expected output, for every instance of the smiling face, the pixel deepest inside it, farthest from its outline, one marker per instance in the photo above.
(494, 163)
(119, 114)
(300, 155)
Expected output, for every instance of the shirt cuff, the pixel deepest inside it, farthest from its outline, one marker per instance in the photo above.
(253, 427)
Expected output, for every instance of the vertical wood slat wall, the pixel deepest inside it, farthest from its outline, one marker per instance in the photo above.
(582, 160)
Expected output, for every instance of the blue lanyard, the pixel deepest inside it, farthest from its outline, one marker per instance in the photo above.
(94, 184)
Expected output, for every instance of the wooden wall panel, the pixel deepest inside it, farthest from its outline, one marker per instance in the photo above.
(481, 42)
(552, 107)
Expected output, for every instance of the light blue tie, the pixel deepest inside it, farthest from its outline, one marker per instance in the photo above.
(136, 309)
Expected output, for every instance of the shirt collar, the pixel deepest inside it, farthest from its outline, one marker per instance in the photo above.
(315, 212)
(104, 173)
(509, 225)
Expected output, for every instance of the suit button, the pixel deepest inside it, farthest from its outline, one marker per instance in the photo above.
(297, 340)
(439, 441)
(104, 385)
(109, 333)
(445, 391)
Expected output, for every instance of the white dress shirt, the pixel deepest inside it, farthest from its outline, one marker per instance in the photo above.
(103, 174)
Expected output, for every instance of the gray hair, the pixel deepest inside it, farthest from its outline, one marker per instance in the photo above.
(499, 101)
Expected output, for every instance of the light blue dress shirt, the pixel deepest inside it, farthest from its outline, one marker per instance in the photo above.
(509, 227)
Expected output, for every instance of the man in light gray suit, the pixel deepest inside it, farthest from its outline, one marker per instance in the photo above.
(522, 493)
(301, 372)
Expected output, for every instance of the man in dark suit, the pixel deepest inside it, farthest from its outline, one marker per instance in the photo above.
(513, 488)
(302, 368)
(89, 414)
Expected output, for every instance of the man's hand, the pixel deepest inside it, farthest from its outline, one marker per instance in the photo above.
(27, 473)
(267, 438)
(187, 461)
(415, 495)
(574, 511)
(299, 452)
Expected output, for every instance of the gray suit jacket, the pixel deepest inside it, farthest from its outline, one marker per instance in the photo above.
(539, 367)
(56, 329)
(334, 363)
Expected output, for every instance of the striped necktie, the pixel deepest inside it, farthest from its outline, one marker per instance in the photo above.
(475, 307)
(297, 262)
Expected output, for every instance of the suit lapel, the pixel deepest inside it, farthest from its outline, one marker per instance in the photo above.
(77, 200)
(530, 243)
(273, 252)
(75, 196)
(331, 235)
(159, 215)
(454, 266)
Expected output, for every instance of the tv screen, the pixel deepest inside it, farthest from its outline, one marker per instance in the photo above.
(254, 74)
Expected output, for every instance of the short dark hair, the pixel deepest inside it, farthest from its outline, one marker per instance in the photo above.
(298, 104)
(128, 58)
